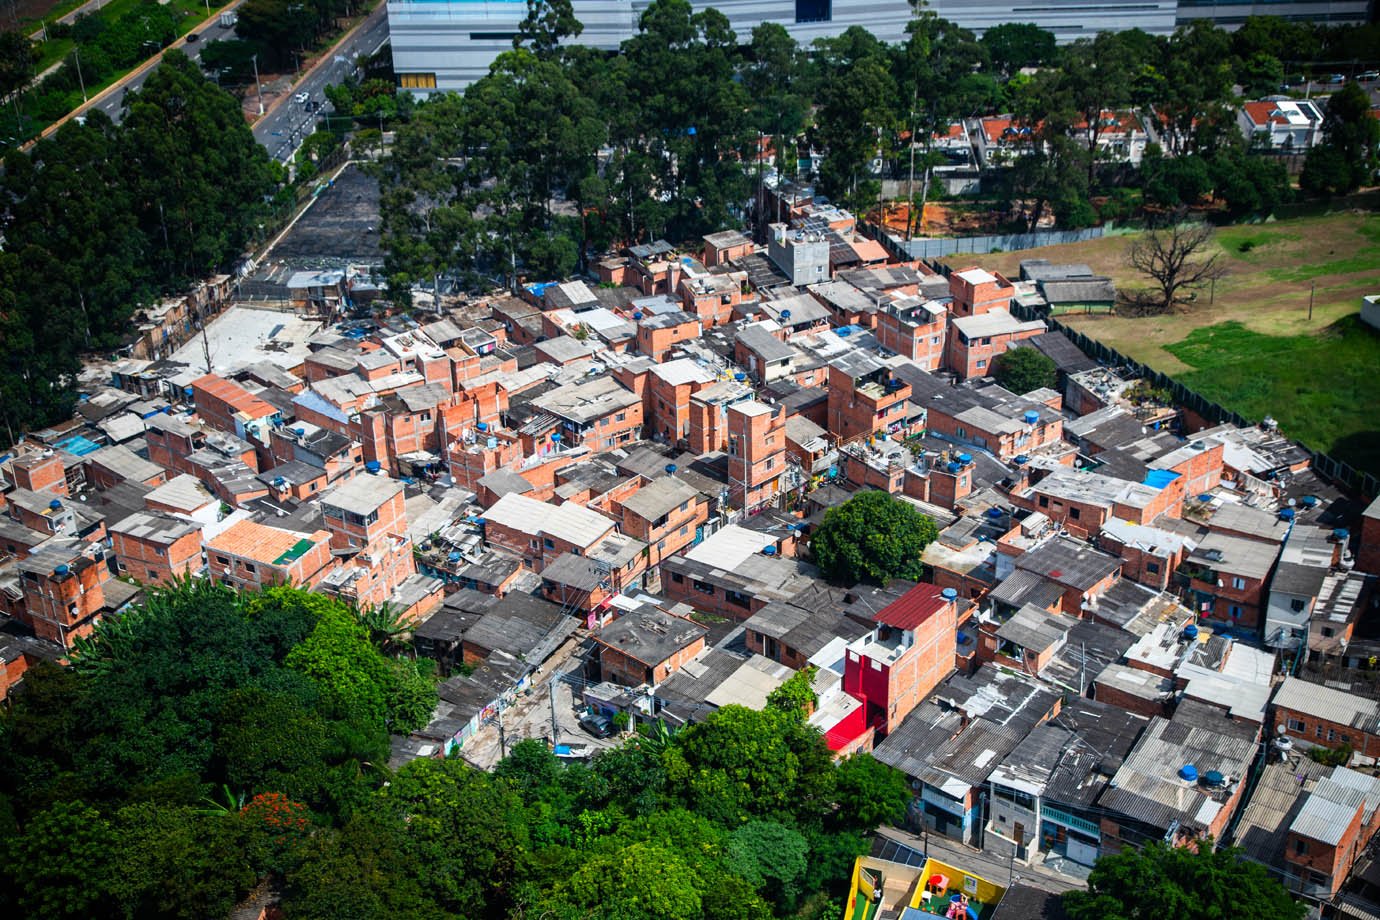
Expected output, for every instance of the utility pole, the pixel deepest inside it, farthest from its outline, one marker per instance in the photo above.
(1312, 289)
(1082, 663)
(258, 87)
(502, 739)
(555, 732)
(910, 182)
(80, 80)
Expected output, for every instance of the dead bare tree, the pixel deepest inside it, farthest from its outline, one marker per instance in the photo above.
(1172, 257)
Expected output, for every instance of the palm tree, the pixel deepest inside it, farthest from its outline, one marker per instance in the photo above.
(388, 628)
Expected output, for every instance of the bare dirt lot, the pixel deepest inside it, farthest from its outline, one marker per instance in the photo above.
(341, 226)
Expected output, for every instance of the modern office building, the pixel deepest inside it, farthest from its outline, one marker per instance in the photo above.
(1231, 13)
(447, 44)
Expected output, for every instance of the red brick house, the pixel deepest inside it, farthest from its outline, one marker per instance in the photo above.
(155, 548)
(249, 555)
(900, 662)
(666, 514)
(647, 646)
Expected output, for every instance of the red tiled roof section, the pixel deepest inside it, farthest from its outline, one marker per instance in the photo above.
(915, 607)
(234, 395)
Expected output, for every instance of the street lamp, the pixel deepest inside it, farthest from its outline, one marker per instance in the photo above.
(258, 88)
(82, 82)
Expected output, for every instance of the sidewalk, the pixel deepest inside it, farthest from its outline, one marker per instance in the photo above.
(995, 870)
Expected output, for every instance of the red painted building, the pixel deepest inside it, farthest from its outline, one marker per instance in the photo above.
(900, 662)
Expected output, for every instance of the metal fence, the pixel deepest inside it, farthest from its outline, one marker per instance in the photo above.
(1344, 474)
(981, 245)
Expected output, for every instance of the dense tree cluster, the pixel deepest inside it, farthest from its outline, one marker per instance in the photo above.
(209, 741)
(563, 148)
(101, 47)
(1191, 883)
(280, 29)
(101, 218)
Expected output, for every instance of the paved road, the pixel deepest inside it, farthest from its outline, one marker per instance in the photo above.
(287, 124)
(992, 868)
(90, 6)
(113, 104)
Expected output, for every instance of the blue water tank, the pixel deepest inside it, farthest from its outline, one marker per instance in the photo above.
(965, 458)
(1188, 772)
(373, 466)
(638, 316)
(300, 432)
(769, 551)
(187, 390)
(994, 513)
(556, 438)
(480, 521)
(949, 594)
(843, 332)
(740, 376)
(1310, 501)
(1031, 416)
(61, 570)
(671, 468)
(453, 557)
(1190, 632)
(955, 467)
(785, 314)
(482, 426)
(1022, 459)
(1286, 514)
(55, 505)
(1205, 497)
(1341, 533)
(1214, 778)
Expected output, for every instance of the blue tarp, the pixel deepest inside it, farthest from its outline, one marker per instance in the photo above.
(1158, 479)
(78, 445)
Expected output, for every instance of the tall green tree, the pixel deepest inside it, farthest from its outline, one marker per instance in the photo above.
(1194, 883)
(1012, 46)
(547, 24)
(1350, 149)
(1021, 370)
(872, 537)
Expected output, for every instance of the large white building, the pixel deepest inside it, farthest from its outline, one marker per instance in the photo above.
(448, 44)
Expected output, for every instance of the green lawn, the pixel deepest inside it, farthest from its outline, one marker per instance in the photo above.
(1323, 389)
(1250, 344)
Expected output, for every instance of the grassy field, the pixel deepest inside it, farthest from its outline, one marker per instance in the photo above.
(1249, 344)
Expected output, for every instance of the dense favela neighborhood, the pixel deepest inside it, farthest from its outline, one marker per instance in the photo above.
(606, 460)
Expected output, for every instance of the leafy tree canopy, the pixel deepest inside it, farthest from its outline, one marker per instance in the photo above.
(872, 537)
(1021, 370)
(1192, 884)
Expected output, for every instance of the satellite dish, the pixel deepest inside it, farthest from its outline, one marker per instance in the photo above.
(1281, 728)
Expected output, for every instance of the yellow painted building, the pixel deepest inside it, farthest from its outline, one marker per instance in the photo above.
(918, 893)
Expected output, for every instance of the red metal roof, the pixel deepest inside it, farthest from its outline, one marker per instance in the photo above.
(915, 607)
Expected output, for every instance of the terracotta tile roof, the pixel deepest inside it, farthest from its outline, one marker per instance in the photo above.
(268, 545)
(234, 395)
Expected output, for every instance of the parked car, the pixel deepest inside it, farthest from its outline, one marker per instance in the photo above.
(301, 97)
(1370, 76)
(1336, 78)
(598, 726)
(192, 36)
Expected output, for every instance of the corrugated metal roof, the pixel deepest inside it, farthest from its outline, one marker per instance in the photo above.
(1327, 812)
(1326, 703)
